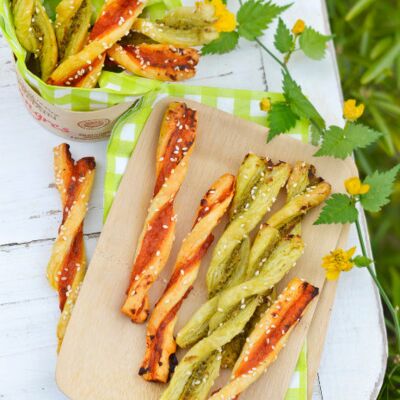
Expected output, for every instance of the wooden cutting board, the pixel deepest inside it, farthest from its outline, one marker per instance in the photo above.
(102, 349)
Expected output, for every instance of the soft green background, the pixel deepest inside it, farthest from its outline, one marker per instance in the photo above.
(367, 40)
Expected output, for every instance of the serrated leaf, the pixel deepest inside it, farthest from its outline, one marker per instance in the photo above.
(316, 135)
(299, 103)
(340, 143)
(338, 209)
(283, 38)
(313, 43)
(254, 16)
(226, 42)
(381, 187)
(280, 119)
(362, 261)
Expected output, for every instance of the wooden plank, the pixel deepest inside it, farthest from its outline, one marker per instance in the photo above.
(100, 342)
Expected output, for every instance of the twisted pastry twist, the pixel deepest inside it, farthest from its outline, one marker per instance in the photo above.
(35, 32)
(159, 361)
(83, 68)
(268, 337)
(156, 61)
(67, 265)
(72, 25)
(177, 135)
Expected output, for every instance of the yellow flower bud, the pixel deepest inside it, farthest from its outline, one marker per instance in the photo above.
(298, 27)
(354, 186)
(351, 111)
(265, 104)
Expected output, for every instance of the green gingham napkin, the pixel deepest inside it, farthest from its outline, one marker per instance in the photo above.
(126, 132)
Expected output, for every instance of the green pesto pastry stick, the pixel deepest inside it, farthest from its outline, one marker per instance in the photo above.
(258, 184)
(203, 349)
(35, 32)
(282, 259)
(72, 26)
(304, 191)
(249, 207)
(182, 27)
(202, 378)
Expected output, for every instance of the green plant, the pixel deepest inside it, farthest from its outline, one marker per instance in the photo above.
(367, 40)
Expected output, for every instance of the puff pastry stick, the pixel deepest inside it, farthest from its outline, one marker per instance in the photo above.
(156, 61)
(72, 25)
(114, 22)
(268, 337)
(177, 135)
(160, 359)
(35, 32)
(66, 270)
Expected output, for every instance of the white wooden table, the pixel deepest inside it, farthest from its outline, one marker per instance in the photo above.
(354, 357)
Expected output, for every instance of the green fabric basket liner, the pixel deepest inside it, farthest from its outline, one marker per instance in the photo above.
(126, 132)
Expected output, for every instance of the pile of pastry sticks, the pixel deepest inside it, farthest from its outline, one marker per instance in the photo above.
(239, 326)
(71, 52)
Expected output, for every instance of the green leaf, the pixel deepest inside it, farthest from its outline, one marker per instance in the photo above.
(280, 119)
(362, 261)
(316, 135)
(283, 38)
(384, 62)
(340, 143)
(226, 42)
(254, 16)
(299, 103)
(338, 209)
(381, 187)
(313, 43)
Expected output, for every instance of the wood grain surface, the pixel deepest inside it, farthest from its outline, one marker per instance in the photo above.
(102, 349)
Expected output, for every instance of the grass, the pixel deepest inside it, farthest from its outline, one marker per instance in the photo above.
(367, 39)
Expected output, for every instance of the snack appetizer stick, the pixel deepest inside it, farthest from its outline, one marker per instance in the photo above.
(156, 61)
(35, 32)
(182, 27)
(299, 203)
(181, 379)
(160, 360)
(114, 22)
(258, 184)
(269, 337)
(177, 135)
(67, 265)
(304, 191)
(281, 261)
(270, 259)
(72, 25)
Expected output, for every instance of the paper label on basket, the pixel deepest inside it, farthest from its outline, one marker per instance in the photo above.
(76, 125)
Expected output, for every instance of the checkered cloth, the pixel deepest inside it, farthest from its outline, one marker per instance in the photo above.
(126, 132)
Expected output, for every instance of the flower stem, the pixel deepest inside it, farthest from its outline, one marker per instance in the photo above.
(282, 64)
(382, 292)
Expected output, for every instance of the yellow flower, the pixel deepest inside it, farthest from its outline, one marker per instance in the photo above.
(265, 104)
(337, 261)
(354, 186)
(351, 111)
(226, 21)
(298, 27)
